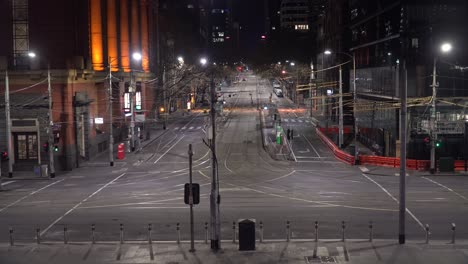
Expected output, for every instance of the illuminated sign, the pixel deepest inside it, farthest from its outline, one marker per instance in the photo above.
(127, 102)
(138, 100)
(98, 120)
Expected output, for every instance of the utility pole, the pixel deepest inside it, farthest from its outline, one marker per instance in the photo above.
(433, 122)
(402, 204)
(356, 149)
(8, 125)
(51, 128)
(340, 120)
(111, 136)
(131, 92)
(214, 196)
(192, 235)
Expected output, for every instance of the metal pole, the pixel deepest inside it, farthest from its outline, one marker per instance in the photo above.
(356, 149)
(192, 235)
(402, 205)
(8, 125)
(433, 117)
(51, 127)
(132, 112)
(214, 196)
(111, 132)
(340, 121)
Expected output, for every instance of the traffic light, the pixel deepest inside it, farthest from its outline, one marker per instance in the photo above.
(45, 147)
(5, 156)
(438, 143)
(56, 148)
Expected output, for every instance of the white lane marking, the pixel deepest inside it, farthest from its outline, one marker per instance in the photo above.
(199, 127)
(322, 252)
(32, 193)
(447, 188)
(281, 177)
(398, 174)
(293, 120)
(175, 128)
(191, 127)
(183, 128)
(300, 120)
(363, 169)
(80, 203)
(286, 120)
(8, 182)
(312, 146)
(307, 121)
(168, 149)
(395, 199)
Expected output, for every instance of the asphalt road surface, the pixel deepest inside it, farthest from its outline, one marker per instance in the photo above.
(148, 186)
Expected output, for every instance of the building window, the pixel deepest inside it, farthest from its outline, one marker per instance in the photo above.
(301, 27)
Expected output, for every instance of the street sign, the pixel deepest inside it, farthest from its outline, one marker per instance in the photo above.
(195, 193)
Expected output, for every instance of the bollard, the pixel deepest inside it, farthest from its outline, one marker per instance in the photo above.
(453, 233)
(427, 234)
(93, 240)
(38, 235)
(65, 235)
(149, 234)
(261, 232)
(121, 234)
(370, 231)
(11, 237)
(288, 233)
(206, 233)
(178, 233)
(316, 231)
(343, 227)
(233, 232)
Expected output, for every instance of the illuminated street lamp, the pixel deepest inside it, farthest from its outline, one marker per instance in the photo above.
(203, 61)
(136, 56)
(31, 54)
(180, 59)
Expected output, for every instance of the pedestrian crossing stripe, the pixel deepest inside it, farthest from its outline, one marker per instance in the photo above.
(191, 128)
(286, 120)
(300, 121)
(183, 128)
(188, 128)
(199, 127)
(293, 120)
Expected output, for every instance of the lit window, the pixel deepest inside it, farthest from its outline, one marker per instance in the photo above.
(301, 27)
(189, 6)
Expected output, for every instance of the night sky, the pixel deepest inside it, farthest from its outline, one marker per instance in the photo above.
(250, 15)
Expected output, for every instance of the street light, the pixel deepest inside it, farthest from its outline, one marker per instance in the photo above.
(136, 56)
(132, 89)
(31, 54)
(180, 59)
(214, 195)
(340, 122)
(445, 48)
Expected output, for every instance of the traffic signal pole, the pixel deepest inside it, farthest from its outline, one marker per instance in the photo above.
(433, 122)
(111, 137)
(51, 127)
(214, 196)
(8, 125)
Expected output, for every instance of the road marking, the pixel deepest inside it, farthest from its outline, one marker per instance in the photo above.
(183, 128)
(398, 174)
(281, 177)
(395, 199)
(169, 149)
(293, 120)
(8, 182)
(300, 120)
(303, 151)
(191, 127)
(363, 169)
(199, 127)
(32, 193)
(447, 188)
(311, 146)
(175, 128)
(286, 120)
(322, 252)
(80, 203)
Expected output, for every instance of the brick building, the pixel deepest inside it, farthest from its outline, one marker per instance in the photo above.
(78, 41)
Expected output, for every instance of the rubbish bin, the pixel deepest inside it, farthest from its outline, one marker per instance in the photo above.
(246, 235)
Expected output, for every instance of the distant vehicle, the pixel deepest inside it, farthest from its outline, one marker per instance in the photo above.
(278, 92)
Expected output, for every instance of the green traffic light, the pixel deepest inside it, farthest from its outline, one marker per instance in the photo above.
(56, 149)
(438, 144)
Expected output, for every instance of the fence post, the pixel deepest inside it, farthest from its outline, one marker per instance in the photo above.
(288, 229)
(121, 234)
(233, 232)
(316, 231)
(11, 236)
(206, 233)
(93, 240)
(65, 235)
(38, 235)
(149, 234)
(371, 233)
(427, 234)
(178, 233)
(453, 233)
(343, 227)
(261, 231)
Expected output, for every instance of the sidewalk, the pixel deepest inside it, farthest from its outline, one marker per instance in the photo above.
(326, 251)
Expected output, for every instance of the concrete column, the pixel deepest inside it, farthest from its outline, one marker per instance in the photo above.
(135, 32)
(96, 36)
(144, 36)
(112, 35)
(124, 36)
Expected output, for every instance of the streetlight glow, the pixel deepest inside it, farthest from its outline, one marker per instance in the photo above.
(292, 64)
(136, 56)
(180, 59)
(446, 47)
(327, 52)
(203, 61)
(31, 54)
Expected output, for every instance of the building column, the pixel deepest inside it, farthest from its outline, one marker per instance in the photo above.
(96, 36)
(144, 36)
(112, 35)
(124, 36)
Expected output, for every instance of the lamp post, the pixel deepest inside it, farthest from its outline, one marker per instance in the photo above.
(132, 89)
(340, 125)
(444, 48)
(214, 195)
(111, 131)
